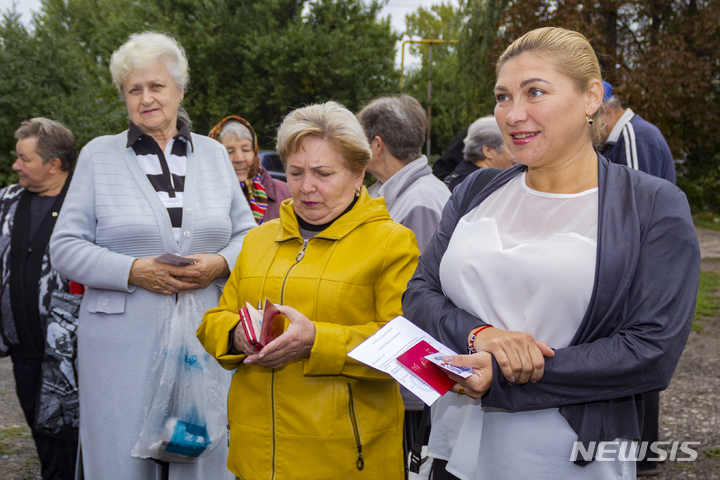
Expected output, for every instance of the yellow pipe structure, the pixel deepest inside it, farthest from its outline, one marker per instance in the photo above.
(402, 53)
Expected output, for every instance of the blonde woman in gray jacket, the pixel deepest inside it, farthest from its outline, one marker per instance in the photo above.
(152, 189)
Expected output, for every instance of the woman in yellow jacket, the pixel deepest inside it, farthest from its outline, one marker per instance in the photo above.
(337, 265)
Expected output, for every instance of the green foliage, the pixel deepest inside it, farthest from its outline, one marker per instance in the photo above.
(707, 220)
(462, 74)
(662, 59)
(476, 74)
(254, 58)
(713, 453)
(708, 298)
(439, 22)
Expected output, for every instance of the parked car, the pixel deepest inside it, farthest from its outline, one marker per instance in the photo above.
(272, 163)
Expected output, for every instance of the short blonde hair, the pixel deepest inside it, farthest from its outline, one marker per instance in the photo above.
(143, 50)
(329, 121)
(570, 53)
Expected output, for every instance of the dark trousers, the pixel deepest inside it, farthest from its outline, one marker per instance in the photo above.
(57, 455)
(439, 472)
(650, 431)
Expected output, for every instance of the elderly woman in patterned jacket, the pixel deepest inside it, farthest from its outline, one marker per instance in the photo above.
(155, 188)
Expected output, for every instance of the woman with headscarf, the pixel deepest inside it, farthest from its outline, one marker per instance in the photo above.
(263, 193)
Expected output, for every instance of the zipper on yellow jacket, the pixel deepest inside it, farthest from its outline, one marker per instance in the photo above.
(356, 428)
(298, 258)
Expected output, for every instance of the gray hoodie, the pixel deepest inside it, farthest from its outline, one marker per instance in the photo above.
(414, 198)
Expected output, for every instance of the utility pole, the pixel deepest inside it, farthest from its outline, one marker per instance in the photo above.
(430, 42)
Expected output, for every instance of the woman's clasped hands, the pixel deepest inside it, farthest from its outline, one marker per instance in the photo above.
(168, 279)
(520, 357)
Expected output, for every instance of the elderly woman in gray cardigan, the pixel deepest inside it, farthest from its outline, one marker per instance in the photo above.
(152, 189)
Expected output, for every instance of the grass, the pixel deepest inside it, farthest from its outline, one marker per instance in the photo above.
(32, 463)
(708, 300)
(707, 220)
(9, 436)
(713, 453)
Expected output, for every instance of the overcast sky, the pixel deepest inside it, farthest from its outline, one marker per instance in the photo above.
(396, 9)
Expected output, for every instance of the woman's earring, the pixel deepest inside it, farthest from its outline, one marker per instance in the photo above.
(589, 120)
(357, 192)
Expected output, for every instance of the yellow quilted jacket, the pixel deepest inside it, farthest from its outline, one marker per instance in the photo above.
(326, 416)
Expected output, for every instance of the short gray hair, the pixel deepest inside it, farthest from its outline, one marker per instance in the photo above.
(329, 121)
(237, 129)
(483, 131)
(400, 121)
(54, 140)
(612, 102)
(143, 50)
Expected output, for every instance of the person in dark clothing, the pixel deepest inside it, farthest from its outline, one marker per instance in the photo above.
(633, 141)
(484, 147)
(570, 281)
(450, 159)
(637, 143)
(28, 211)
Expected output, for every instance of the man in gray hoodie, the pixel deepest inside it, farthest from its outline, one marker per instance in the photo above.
(395, 127)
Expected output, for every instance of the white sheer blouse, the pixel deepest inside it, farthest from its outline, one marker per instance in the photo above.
(522, 260)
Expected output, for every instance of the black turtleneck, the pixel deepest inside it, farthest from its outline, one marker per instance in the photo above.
(315, 229)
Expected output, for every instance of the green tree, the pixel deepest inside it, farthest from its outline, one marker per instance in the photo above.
(255, 58)
(462, 74)
(48, 75)
(439, 22)
(662, 59)
(15, 44)
(476, 75)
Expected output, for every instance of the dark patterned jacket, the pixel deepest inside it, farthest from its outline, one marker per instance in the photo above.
(50, 280)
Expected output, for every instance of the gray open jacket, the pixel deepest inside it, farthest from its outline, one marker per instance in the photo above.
(637, 322)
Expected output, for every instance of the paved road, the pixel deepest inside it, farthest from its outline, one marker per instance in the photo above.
(709, 243)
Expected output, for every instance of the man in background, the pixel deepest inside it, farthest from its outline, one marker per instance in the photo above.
(46, 155)
(633, 141)
(637, 143)
(395, 128)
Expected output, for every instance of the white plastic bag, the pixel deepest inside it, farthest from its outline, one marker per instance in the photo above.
(186, 417)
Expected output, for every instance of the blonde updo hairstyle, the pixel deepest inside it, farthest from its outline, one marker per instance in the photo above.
(570, 53)
(329, 121)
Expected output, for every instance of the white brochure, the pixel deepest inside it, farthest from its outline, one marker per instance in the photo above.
(381, 350)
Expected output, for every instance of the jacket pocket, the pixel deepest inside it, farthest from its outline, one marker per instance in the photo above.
(355, 427)
(105, 301)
